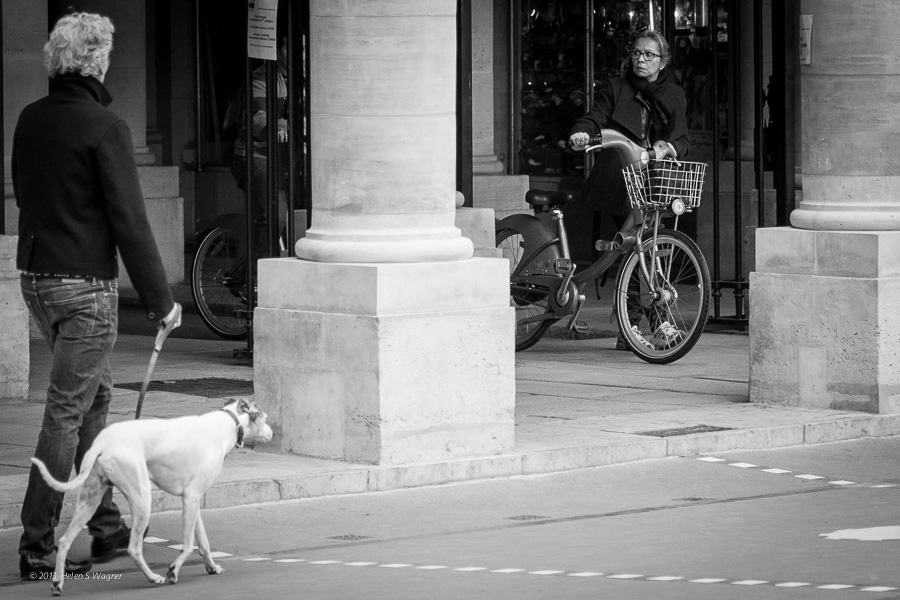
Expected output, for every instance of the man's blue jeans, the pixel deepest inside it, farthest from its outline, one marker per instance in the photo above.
(79, 320)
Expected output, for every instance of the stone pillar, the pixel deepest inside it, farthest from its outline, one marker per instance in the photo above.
(386, 343)
(484, 160)
(825, 318)
(491, 187)
(127, 76)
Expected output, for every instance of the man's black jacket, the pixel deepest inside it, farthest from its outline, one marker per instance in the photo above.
(77, 188)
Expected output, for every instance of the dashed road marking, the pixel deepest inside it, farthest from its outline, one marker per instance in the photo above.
(803, 476)
(554, 572)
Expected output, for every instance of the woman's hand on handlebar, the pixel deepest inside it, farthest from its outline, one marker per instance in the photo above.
(579, 141)
(663, 150)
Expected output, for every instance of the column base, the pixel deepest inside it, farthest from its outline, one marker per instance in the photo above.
(825, 320)
(386, 363)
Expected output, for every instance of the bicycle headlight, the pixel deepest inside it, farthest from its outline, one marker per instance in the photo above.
(678, 206)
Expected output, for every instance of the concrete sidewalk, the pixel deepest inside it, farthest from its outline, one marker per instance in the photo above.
(579, 403)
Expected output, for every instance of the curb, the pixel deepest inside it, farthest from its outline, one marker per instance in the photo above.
(355, 479)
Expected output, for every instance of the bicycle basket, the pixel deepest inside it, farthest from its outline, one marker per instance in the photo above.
(659, 183)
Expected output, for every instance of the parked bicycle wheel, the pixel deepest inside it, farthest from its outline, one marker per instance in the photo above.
(218, 283)
(662, 327)
(531, 302)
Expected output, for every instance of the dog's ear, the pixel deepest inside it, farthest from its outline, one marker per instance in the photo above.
(248, 408)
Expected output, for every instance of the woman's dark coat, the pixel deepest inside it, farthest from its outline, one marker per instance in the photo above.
(78, 192)
(619, 105)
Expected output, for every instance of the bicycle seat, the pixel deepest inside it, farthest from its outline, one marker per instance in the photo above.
(539, 198)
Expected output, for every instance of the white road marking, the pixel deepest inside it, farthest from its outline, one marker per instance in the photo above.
(842, 482)
(324, 562)
(867, 534)
(711, 459)
(776, 471)
(743, 465)
(546, 572)
(587, 574)
(809, 477)
(289, 560)
(508, 571)
(154, 540)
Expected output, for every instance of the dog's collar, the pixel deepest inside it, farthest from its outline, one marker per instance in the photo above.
(240, 431)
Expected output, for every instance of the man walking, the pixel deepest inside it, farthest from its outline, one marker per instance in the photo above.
(80, 202)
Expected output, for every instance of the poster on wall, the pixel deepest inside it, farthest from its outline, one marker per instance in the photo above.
(262, 16)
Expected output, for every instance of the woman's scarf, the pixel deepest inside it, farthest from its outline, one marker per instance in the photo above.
(654, 93)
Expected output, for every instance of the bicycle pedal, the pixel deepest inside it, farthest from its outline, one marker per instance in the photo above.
(564, 266)
(581, 328)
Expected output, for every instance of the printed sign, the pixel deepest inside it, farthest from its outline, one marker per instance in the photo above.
(262, 16)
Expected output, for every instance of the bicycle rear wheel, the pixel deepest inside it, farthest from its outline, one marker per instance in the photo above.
(531, 302)
(663, 329)
(218, 283)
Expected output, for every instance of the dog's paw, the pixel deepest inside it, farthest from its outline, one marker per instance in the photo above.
(172, 575)
(215, 570)
(56, 588)
(158, 579)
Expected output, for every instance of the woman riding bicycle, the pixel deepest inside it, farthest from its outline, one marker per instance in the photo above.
(647, 107)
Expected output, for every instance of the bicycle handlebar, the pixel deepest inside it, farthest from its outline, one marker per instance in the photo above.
(628, 151)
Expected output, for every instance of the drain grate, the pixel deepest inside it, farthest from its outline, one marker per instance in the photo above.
(349, 538)
(684, 430)
(208, 387)
(527, 518)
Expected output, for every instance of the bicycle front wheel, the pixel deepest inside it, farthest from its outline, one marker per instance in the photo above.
(218, 283)
(662, 320)
(532, 302)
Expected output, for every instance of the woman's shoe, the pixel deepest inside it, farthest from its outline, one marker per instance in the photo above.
(34, 568)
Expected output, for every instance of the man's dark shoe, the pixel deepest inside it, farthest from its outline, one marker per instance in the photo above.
(106, 548)
(33, 569)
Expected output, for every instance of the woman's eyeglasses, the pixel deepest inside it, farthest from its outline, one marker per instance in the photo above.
(648, 56)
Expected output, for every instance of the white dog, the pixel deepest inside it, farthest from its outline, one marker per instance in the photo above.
(182, 456)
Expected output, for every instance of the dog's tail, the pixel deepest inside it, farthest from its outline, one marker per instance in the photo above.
(86, 465)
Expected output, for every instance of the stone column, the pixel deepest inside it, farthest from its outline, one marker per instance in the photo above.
(825, 316)
(492, 188)
(484, 159)
(127, 76)
(385, 343)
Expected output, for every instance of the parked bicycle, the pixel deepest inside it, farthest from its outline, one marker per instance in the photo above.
(219, 276)
(662, 290)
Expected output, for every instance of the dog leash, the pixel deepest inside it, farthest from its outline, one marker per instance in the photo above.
(240, 440)
(161, 336)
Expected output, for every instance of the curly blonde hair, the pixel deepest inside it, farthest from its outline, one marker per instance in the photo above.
(79, 43)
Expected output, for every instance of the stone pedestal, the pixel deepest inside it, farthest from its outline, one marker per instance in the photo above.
(386, 363)
(386, 343)
(825, 320)
(14, 357)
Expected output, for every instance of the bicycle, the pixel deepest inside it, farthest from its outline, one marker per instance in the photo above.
(662, 290)
(219, 276)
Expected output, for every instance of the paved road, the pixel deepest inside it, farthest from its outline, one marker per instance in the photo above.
(745, 527)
